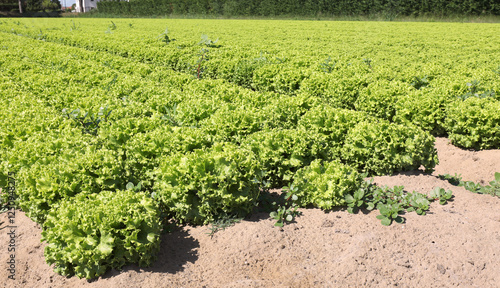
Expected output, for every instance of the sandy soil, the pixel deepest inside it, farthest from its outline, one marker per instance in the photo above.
(455, 245)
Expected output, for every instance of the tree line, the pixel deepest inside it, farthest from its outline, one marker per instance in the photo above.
(29, 5)
(388, 8)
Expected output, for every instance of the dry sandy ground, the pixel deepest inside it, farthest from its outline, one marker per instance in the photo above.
(455, 245)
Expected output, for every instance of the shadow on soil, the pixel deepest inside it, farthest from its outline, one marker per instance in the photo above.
(176, 249)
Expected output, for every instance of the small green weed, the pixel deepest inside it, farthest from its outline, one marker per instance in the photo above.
(441, 195)
(170, 115)
(41, 36)
(208, 42)
(359, 198)
(392, 202)
(135, 188)
(288, 211)
(418, 82)
(89, 122)
(368, 63)
(474, 87)
(203, 56)
(493, 189)
(222, 224)
(73, 26)
(111, 83)
(328, 65)
(389, 213)
(417, 202)
(164, 37)
(495, 185)
(453, 180)
(111, 27)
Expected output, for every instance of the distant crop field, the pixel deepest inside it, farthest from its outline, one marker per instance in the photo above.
(191, 120)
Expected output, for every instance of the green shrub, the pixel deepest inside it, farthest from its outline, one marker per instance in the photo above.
(474, 123)
(90, 234)
(325, 184)
(385, 148)
(202, 185)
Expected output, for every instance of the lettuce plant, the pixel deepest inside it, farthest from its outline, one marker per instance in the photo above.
(423, 108)
(379, 98)
(474, 123)
(339, 87)
(90, 234)
(200, 186)
(334, 123)
(385, 148)
(58, 177)
(232, 123)
(283, 152)
(144, 150)
(325, 184)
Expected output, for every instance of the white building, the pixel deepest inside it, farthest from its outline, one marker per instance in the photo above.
(86, 5)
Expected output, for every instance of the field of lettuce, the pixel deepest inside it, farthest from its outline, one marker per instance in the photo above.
(114, 127)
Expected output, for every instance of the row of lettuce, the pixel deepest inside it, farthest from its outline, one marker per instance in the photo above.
(106, 147)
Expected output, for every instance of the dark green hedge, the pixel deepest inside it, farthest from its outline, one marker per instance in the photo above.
(28, 5)
(388, 8)
(7, 7)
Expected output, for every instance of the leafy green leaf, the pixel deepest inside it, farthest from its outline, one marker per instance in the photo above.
(386, 221)
(106, 244)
